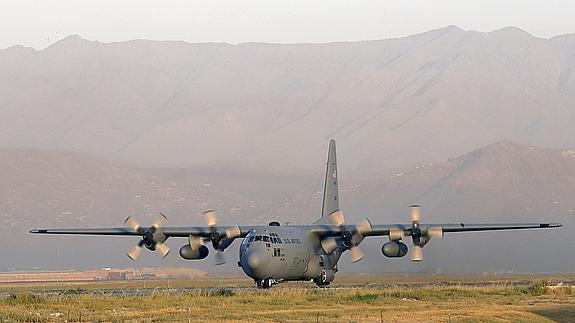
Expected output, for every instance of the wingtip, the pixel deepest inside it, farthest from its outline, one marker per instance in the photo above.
(551, 225)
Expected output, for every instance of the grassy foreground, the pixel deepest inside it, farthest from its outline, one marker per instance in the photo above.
(293, 302)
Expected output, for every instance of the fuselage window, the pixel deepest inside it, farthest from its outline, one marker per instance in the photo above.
(279, 240)
(286, 241)
(266, 239)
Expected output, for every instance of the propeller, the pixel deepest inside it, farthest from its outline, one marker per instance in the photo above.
(152, 237)
(351, 239)
(220, 240)
(420, 237)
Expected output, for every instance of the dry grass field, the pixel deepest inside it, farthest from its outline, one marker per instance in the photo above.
(351, 299)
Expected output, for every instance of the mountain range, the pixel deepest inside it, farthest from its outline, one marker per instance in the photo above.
(389, 103)
(474, 126)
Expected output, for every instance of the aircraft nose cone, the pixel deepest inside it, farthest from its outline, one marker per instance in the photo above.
(256, 259)
(256, 264)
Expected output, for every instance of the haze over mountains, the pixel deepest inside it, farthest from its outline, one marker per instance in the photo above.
(389, 103)
(95, 132)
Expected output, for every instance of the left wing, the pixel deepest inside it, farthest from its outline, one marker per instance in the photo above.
(340, 236)
(382, 230)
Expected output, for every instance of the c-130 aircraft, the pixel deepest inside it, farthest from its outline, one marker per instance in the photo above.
(274, 253)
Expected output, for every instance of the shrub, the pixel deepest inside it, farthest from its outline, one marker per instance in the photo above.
(365, 298)
(24, 299)
(219, 292)
(538, 288)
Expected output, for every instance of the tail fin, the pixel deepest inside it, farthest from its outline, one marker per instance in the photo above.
(330, 190)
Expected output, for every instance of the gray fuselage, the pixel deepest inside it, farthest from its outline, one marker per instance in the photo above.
(286, 253)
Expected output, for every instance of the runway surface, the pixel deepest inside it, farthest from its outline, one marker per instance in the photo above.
(74, 289)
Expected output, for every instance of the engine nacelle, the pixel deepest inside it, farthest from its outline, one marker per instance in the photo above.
(189, 253)
(394, 249)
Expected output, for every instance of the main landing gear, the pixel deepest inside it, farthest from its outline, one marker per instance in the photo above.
(264, 283)
(324, 279)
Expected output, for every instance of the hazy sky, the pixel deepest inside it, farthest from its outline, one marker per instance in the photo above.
(39, 23)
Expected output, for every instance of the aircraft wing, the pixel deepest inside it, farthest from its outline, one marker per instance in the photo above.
(382, 230)
(90, 231)
(125, 231)
(351, 236)
(321, 230)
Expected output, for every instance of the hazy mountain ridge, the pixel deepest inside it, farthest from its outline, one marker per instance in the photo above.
(504, 181)
(53, 183)
(388, 103)
(61, 188)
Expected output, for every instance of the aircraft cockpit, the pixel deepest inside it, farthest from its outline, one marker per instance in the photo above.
(268, 238)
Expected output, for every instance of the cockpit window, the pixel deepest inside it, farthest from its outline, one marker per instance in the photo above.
(251, 239)
(258, 238)
(266, 239)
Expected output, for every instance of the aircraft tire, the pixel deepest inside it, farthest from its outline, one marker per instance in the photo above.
(322, 285)
(264, 283)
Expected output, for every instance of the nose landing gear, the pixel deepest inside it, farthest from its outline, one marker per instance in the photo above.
(264, 283)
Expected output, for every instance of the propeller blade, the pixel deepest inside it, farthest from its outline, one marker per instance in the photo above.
(135, 252)
(220, 259)
(194, 241)
(416, 253)
(132, 223)
(415, 213)
(162, 249)
(211, 218)
(159, 221)
(337, 218)
(356, 254)
(328, 245)
(363, 227)
(435, 232)
(396, 234)
(233, 232)
(149, 239)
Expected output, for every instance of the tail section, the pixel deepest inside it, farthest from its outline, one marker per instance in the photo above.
(330, 190)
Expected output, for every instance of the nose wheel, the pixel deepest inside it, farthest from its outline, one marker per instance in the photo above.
(264, 283)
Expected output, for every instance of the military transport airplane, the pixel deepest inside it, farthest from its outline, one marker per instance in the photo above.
(273, 253)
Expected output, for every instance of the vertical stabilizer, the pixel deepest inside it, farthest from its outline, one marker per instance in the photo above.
(330, 190)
